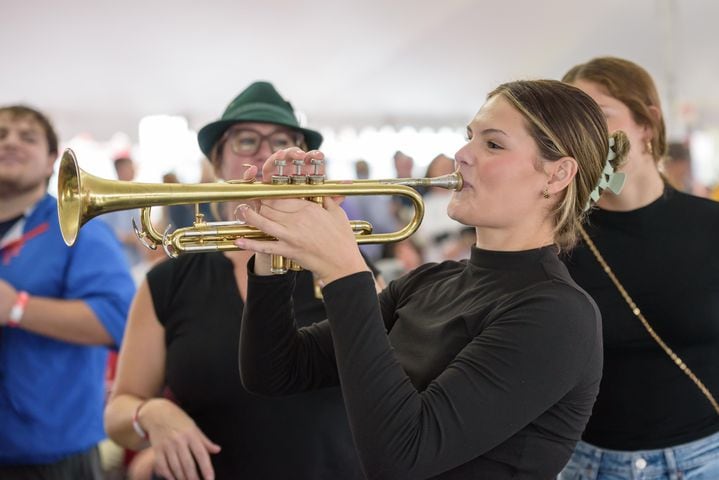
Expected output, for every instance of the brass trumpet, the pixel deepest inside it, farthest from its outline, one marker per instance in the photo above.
(82, 196)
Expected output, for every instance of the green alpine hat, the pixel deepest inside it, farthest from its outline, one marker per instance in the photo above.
(261, 103)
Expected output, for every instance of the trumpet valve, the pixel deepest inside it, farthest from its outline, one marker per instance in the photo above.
(316, 165)
(278, 264)
(280, 178)
(298, 178)
(316, 178)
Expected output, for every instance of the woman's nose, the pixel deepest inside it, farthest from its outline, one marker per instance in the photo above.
(264, 150)
(462, 157)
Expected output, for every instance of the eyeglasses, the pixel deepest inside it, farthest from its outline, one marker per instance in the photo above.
(247, 142)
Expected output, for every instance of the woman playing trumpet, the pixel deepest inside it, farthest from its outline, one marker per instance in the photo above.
(483, 369)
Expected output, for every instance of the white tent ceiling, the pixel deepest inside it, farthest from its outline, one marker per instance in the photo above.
(98, 66)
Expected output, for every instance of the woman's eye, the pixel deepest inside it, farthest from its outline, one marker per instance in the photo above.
(282, 143)
(493, 146)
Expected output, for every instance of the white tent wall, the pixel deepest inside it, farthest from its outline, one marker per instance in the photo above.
(99, 67)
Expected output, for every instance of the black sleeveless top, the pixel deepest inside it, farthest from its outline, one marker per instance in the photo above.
(305, 436)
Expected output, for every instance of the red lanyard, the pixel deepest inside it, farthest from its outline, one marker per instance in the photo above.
(13, 248)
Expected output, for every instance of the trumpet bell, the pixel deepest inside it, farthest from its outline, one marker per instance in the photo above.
(69, 203)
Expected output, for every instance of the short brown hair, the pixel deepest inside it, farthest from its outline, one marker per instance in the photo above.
(22, 111)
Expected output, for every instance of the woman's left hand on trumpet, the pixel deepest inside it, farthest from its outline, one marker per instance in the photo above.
(319, 239)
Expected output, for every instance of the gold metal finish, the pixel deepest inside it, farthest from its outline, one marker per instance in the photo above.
(82, 196)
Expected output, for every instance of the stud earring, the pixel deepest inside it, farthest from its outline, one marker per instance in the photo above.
(545, 193)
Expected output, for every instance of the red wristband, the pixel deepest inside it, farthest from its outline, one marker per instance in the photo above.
(136, 420)
(18, 309)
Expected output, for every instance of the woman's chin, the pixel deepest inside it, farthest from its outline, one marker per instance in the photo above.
(453, 211)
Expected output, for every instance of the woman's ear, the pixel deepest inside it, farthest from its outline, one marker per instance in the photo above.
(647, 129)
(655, 112)
(561, 173)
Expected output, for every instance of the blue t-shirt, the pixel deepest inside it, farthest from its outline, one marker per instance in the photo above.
(51, 391)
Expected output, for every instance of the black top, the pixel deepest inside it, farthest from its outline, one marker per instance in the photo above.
(489, 370)
(667, 257)
(301, 437)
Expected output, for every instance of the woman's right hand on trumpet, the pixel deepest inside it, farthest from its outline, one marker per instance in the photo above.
(319, 239)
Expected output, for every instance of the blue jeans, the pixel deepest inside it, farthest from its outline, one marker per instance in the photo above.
(697, 460)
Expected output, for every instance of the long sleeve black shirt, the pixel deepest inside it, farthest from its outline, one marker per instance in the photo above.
(485, 369)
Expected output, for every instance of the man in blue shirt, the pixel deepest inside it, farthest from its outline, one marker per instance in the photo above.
(60, 308)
